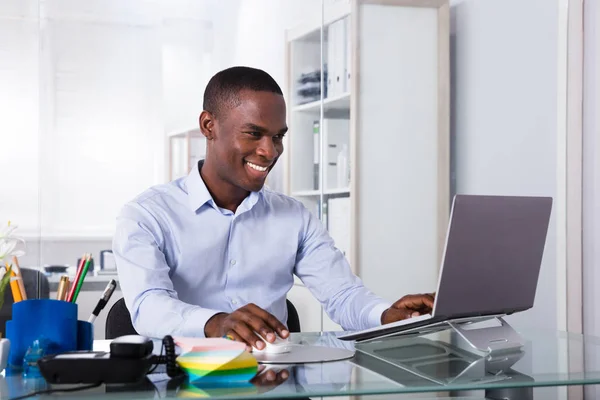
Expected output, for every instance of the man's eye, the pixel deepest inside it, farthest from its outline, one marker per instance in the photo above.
(279, 137)
(255, 134)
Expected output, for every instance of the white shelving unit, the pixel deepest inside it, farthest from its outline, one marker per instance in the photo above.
(185, 150)
(372, 83)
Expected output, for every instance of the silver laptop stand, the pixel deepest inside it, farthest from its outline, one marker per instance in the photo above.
(417, 361)
(494, 339)
(493, 349)
(490, 340)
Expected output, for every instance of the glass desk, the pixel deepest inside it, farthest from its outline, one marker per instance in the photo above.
(431, 363)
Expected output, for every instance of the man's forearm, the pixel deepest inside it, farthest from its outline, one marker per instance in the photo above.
(156, 314)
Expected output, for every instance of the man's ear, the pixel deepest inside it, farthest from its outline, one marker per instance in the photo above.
(207, 125)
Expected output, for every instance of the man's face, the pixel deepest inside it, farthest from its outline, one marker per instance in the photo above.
(248, 139)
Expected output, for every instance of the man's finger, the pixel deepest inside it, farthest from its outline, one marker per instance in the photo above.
(247, 333)
(415, 302)
(272, 323)
(397, 314)
(270, 378)
(238, 338)
(260, 326)
(270, 375)
(281, 377)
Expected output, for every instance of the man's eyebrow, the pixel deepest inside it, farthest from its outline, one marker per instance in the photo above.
(254, 127)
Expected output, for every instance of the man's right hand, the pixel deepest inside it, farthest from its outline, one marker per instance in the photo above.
(241, 324)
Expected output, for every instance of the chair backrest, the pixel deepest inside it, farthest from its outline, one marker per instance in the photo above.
(293, 321)
(118, 320)
(33, 280)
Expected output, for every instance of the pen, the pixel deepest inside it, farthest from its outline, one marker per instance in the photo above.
(110, 288)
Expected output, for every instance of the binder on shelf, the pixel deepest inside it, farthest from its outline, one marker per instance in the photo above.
(325, 215)
(336, 133)
(338, 223)
(340, 56)
(343, 168)
(348, 54)
(316, 153)
(331, 60)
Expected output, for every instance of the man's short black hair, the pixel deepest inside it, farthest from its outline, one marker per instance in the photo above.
(222, 90)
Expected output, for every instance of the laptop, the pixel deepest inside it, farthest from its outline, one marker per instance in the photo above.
(491, 262)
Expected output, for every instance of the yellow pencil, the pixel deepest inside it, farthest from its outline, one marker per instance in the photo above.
(17, 270)
(14, 287)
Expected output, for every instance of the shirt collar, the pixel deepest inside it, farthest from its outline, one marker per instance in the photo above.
(198, 193)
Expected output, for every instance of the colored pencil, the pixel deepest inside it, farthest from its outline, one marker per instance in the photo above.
(77, 278)
(86, 266)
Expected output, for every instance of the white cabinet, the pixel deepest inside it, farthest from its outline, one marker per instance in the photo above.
(309, 309)
(312, 318)
(368, 149)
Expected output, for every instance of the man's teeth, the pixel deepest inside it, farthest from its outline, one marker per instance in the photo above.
(256, 167)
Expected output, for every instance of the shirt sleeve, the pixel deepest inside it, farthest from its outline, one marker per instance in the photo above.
(326, 273)
(156, 311)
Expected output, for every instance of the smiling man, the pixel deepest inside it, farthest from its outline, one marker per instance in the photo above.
(215, 253)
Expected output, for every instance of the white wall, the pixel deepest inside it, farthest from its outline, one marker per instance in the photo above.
(591, 178)
(101, 130)
(90, 88)
(591, 117)
(252, 33)
(505, 96)
(19, 113)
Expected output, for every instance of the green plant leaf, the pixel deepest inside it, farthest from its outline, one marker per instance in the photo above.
(4, 282)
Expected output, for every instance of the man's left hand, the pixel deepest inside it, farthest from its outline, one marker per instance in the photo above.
(409, 306)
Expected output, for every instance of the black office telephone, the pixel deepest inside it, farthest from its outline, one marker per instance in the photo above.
(129, 360)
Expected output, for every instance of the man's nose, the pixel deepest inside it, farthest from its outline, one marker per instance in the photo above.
(267, 148)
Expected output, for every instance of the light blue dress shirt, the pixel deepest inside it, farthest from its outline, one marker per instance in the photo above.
(181, 259)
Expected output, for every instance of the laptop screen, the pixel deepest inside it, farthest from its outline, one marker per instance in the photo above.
(493, 255)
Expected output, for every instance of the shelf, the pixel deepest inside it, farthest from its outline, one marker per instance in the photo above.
(337, 191)
(333, 107)
(310, 193)
(311, 30)
(306, 193)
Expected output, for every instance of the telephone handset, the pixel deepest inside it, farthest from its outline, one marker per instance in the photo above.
(129, 360)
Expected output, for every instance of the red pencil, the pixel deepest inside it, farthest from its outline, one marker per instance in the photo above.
(77, 277)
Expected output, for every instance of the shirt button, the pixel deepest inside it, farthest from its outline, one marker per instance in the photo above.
(233, 301)
(232, 262)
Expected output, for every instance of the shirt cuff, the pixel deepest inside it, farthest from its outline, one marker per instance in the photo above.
(195, 320)
(376, 313)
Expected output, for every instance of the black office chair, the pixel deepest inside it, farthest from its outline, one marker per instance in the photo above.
(36, 287)
(118, 320)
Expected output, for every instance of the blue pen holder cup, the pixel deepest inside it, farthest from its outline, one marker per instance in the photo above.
(54, 320)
